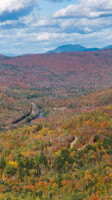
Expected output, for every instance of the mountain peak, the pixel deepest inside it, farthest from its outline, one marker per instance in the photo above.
(71, 48)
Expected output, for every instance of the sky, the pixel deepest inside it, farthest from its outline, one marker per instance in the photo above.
(37, 26)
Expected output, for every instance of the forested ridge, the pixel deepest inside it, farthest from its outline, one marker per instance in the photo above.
(66, 154)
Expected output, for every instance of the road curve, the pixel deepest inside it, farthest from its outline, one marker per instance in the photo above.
(74, 142)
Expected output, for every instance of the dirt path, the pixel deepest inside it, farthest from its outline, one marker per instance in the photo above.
(81, 148)
(74, 142)
(33, 109)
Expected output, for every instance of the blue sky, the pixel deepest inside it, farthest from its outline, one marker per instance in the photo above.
(36, 26)
(48, 7)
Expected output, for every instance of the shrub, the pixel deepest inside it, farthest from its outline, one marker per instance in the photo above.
(38, 127)
(78, 196)
(96, 138)
(10, 170)
(2, 162)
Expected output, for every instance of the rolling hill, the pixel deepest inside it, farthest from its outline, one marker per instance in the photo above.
(76, 70)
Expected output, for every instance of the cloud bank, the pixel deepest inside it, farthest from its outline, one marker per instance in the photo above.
(87, 9)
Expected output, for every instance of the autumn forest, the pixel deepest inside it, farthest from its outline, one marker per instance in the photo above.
(56, 126)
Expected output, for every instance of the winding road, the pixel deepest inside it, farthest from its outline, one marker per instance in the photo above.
(74, 142)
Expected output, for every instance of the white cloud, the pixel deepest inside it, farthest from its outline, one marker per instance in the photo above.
(8, 22)
(34, 42)
(50, 36)
(88, 23)
(87, 8)
(14, 5)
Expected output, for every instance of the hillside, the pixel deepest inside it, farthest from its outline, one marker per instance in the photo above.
(65, 153)
(28, 78)
(78, 71)
(2, 57)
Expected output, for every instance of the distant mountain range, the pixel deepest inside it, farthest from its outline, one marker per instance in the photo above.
(65, 48)
(10, 54)
(75, 48)
(108, 47)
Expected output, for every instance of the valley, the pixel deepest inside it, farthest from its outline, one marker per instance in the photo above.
(56, 126)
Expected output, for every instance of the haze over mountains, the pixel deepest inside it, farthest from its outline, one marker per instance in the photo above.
(75, 48)
(64, 48)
